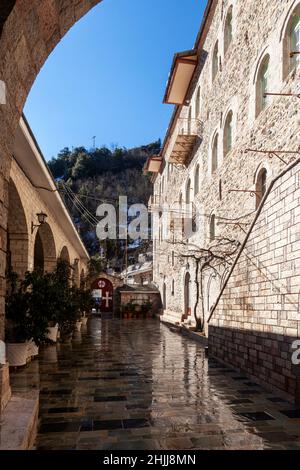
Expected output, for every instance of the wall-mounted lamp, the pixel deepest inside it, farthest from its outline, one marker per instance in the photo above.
(76, 261)
(41, 219)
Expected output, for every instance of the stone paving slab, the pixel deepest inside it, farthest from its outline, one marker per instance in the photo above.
(137, 385)
(20, 417)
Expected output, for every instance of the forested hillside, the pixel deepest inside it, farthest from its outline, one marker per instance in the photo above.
(86, 178)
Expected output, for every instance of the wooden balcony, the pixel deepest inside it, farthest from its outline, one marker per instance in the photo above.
(188, 133)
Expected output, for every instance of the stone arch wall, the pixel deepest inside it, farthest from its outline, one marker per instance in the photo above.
(33, 203)
(28, 33)
(18, 237)
(64, 254)
(45, 237)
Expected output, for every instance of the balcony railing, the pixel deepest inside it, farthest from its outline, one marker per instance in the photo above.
(188, 133)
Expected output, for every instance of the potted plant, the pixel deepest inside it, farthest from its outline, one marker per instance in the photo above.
(131, 309)
(38, 287)
(17, 331)
(124, 312)
(26, 324)
(86, 303)
(65, 301)
(145, 309)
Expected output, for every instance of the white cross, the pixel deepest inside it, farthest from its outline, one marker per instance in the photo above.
(107, 298)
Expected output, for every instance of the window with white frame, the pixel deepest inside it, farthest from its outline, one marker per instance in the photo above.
(228, 134)
(212, 228)
(190, 121)
(228, 32)
(188, 192)
(291, 43)
(214, 154)
(215, 61)
(261, 186)
(198, 102)
(262, 85)
(196, 179)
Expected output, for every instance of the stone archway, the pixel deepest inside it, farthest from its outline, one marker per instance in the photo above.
(17, 235)
(29, 31)
(64, 254)
(44, 249)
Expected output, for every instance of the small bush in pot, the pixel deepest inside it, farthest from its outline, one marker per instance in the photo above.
(86, 302)
(65, 300)
(41, 303)
(146, 309)
(17, 325)
(131, 309)
(26, 325)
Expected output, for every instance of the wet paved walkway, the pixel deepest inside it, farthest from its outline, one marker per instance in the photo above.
(136, 385)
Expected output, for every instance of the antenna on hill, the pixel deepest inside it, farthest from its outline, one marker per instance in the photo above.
(94, 142)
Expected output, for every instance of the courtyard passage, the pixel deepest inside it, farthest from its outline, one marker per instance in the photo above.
(136, 385)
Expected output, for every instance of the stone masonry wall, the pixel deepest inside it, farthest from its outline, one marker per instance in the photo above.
(32, 204)
(257, 318)
(28, 36)
(258, 29)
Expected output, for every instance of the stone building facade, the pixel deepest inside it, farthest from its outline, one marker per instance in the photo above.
(30, 243)
(29, 31)
(220, 155)
(33, 191)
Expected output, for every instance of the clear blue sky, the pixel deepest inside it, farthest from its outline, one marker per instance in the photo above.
(107, 76)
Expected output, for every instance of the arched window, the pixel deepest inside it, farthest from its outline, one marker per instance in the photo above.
(162, 186)
(262, 85)
(173, 259)
(188, 192)
(292, 43)
(196, 179)
(164, 296)
(261, 186)
(198, 102)
(212, 228)
(228, 133)
(190, 122)
(214, 154)
(180, 202)
(228, 30)
(215, 61)
(173, 287)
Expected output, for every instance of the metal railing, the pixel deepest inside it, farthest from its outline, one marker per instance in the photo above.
(189, 127)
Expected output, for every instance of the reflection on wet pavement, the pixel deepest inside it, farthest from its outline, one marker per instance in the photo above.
(136, 385)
